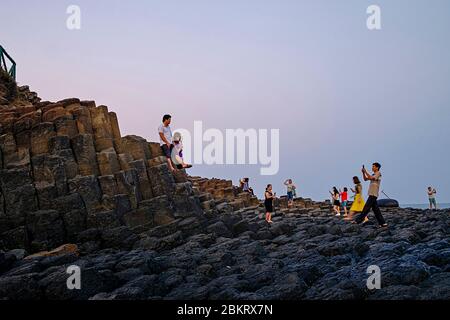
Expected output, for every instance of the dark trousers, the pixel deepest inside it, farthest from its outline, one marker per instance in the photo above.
(371, 204)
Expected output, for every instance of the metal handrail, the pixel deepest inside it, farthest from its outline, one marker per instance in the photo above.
(12, 70)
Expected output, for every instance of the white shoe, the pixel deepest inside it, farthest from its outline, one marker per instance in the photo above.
(338, 214)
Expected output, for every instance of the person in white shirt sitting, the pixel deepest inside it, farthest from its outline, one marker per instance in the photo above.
(177, 152)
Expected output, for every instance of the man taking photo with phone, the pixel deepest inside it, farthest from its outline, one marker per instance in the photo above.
(374, 189)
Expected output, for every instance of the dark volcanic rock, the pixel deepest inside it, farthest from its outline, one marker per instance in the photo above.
(21, 287)
(6, 261)
(67, 176)
(304, 261)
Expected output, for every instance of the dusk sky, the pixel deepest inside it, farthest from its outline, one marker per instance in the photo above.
(341, 95)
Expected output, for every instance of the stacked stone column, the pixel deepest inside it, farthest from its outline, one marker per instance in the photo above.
(65, 169)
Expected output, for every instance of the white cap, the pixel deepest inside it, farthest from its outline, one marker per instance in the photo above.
(176, 137)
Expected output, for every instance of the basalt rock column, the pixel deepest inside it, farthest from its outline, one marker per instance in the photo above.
(67, 174)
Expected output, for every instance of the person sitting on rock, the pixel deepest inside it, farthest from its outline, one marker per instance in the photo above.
(244, 184)
(165, 137)
(177, 152)
(432, 198)
(290, 191)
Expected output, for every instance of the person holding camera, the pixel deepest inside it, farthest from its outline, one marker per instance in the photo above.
(432, 198)
(290, 186)
(374, 189)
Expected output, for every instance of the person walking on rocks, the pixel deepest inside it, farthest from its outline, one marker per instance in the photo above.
(344, 200)
(268, 202)
(358, 202)
(165, 137)
(177, 152)
(374, 189)
(432, 198)
(290, 191)
(336, 202)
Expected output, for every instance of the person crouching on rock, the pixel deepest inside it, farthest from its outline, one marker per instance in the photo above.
(268, 202)
(358, 202)
(165, 137)
(336, 202)
(374, 189)
(245, 187)
(177, 152)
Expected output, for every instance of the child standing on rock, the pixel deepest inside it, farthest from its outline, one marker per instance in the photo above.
(344, 200)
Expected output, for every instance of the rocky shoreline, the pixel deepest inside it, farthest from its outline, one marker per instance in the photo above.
(306, 254)
(74, 192)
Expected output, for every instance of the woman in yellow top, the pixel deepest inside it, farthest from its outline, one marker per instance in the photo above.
(358, 203)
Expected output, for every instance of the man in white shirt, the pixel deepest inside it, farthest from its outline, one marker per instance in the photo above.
(165, 137)
(374, 189)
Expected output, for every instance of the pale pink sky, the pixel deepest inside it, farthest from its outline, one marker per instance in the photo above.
(340, 94)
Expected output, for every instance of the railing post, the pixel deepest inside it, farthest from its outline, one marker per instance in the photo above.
(2, 59)
(12, 69)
